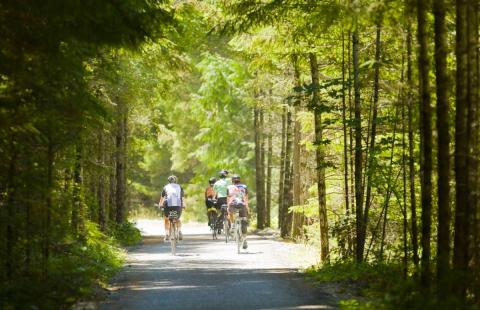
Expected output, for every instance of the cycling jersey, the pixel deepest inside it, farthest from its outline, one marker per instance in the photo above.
(209, 193)
(237, 193)
(174, 194)
(220, 187)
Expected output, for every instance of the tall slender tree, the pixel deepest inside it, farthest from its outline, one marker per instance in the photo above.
(443, 154)
(320, 160)
(426, 141)
(360, 240)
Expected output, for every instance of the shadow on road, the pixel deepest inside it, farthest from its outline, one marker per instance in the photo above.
(209, 274)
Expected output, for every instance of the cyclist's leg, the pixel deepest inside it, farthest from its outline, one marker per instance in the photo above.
(231, 213)
(166, 223)
(231, 217)
(209, 204)
(179, 222)
(243, 213)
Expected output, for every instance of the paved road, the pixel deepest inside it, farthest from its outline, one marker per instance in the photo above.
(208, 274)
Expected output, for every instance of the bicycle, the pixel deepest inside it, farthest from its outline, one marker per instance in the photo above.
(173, 231)
(226, 231)
(212, 219)
(240, 227)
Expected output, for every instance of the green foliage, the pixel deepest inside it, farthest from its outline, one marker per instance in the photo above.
(378, 286)
(75, 270)
(126, 234)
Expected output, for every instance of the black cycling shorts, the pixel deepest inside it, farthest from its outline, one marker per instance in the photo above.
(210, 204)
(241, 207)
(167, 211)
(221, 201)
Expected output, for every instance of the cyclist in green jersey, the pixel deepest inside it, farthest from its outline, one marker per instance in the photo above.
(220, 187)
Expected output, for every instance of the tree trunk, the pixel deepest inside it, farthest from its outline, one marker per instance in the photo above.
(101, 182)
(297, 180)
(77, 189)
(345, 154)
(350, 135)
(286, 227)
(281, 185)
(259, 168)
(460, 258)
(443, 154)
(360, 242)
(268, 201)
(112, 179)
(404, 200)
(320, 161)
(48, 207)
(404, 176)
(390, 186)
(10, 234)
(474, 115)
(426, 147)
(473, 139)
(411, 157)
(120, 199)
(371, 154)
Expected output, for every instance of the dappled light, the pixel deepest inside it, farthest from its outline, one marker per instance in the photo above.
(240, 154)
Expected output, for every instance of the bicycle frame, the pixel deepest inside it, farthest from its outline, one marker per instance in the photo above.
(212, 216)
(239, 235)
(225, 222)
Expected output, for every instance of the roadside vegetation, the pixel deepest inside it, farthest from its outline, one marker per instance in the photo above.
(353, 123)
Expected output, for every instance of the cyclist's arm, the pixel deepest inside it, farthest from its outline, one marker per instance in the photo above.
(229, 199)
(162, 198)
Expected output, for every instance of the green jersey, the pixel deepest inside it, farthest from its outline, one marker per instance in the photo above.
(220, 187)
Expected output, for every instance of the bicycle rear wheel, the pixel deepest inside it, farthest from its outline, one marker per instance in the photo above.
(173, 237)
(225, 229)
(214, 226)
(238, 235)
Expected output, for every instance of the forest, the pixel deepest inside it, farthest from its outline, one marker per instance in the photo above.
(354, 123)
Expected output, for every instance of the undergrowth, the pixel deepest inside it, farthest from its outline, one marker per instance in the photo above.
(378, 286)
(77, 267)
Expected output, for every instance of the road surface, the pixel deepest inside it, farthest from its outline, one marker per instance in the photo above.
(209, 274)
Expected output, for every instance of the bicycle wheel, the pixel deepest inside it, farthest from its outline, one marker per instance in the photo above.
(238, 235)
(225, 229)
(173, 237)
(213, 226)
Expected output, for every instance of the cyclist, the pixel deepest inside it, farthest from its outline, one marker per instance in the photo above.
(237, 194)
(210, 196)
(220, 188)
(172, 200)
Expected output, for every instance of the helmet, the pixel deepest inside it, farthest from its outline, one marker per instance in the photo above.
(172, 179)
(223, 173)
(212, 180)
(236, 178)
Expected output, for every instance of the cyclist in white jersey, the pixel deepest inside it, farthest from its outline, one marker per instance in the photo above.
(172, 200)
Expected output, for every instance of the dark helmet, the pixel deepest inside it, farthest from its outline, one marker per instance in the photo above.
(223, 173)
(172, 179)
(212, 181)
(236, 178)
